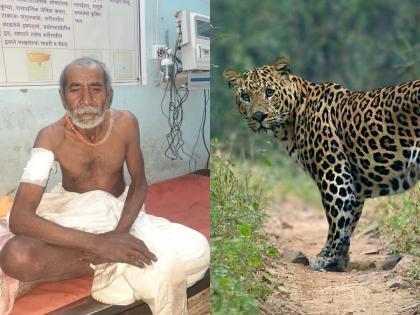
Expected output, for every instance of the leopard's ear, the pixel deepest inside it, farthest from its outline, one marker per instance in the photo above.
(281, 65)
(231, 76)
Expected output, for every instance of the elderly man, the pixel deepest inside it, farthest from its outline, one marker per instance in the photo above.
(93, 221)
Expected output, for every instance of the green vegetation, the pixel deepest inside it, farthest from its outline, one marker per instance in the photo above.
(399, 218)
(282, 177)
(238, 247)
(279, 174)
(415, 271)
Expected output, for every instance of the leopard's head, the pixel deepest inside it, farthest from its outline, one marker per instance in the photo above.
(264, 95)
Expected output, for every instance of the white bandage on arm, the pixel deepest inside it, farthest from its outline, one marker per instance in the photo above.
(37, 170)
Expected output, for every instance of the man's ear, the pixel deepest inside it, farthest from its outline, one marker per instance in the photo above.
(281, 65)
(231, 76)
(109, 96)
(63, 99)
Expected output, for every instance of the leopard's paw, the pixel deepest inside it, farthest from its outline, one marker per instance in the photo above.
(336, 264)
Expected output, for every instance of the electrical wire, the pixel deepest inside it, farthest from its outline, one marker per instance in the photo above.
(206, 100)
(175, 114)
(200, 131)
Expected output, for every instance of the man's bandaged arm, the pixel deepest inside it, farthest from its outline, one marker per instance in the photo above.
(23, 219)
(38, 168)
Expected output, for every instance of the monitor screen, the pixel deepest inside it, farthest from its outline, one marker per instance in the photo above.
(203, 28)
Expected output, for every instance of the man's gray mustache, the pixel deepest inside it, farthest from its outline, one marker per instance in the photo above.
(86, 110)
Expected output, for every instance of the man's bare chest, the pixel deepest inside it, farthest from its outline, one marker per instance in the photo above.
(81, 164)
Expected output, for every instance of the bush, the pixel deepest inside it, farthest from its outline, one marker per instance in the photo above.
(400, 221)
(237, 245)
(399, 218)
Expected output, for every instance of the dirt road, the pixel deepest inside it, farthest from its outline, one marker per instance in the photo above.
(364, 289)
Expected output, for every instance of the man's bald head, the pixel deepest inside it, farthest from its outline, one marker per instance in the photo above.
(85, 61)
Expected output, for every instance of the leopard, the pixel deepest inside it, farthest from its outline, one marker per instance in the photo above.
(354, 145)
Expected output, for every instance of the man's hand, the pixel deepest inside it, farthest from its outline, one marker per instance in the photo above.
(115, 247)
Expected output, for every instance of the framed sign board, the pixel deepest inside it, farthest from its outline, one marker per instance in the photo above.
(39, 37)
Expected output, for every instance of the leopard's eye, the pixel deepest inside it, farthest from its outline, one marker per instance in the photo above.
(269, 92)
(245, 97)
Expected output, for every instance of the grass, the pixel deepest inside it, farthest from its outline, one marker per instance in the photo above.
(414, 272)
(237, 247)
(283, 178)
(399, 224)
(240, 189)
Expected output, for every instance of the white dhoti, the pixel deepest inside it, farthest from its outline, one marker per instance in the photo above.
(183, 254)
